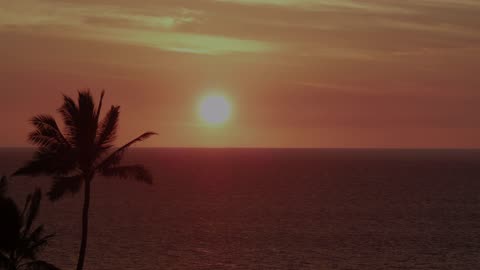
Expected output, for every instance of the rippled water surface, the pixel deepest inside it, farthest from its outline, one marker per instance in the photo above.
(274, 209)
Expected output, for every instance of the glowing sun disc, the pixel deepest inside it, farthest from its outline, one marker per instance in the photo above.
(214, 109)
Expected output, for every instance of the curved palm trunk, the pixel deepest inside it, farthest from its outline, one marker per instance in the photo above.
(86, 205)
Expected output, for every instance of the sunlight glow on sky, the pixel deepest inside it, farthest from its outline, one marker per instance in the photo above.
(303, 73)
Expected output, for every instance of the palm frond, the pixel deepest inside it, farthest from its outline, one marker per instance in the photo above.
(27, 203)
(64, 184)
(10, 224)
(19, 246)
(136, 172)
(38, 138)
(86, 130)
(3, 186)
(40, 265)
(4, 261)
(108, 130)
(69, 113)
(47, 132)
(100, 103)
(36, 234)
(35, 242)
(35, 167)
(33, 206)
(42, 120)
(49, 161)
(115, 157)
(37, 237)
(86, 105)
(87, 116)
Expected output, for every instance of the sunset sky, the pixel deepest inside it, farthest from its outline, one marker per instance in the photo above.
(299, 73)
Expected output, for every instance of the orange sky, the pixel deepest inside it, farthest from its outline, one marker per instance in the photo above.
(300, 73)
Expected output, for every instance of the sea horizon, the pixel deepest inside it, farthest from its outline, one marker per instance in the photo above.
(283, 148)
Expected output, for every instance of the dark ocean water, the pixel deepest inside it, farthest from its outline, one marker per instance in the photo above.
(274, 209)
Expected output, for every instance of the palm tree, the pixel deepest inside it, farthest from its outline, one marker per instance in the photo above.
(20, 243)
(83, 150)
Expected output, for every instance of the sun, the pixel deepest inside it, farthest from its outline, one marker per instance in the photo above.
(214, 109)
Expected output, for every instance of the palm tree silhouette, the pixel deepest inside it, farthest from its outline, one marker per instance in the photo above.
(20, 242)
(83, 150)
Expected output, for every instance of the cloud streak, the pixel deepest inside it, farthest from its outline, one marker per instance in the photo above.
(260, 25)
(124, 26)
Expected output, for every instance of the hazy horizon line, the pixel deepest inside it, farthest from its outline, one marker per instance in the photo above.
(280, 148)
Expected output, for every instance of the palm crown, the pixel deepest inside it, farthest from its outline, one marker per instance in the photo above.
(83, 149)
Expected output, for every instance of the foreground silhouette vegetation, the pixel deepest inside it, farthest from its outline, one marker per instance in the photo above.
(83, 149)
(20, 240)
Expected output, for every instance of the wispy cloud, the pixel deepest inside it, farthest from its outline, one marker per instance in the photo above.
(125, 26)
(370, 30)
(333, 5)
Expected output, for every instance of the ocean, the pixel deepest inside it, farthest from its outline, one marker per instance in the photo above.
(272, 209)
